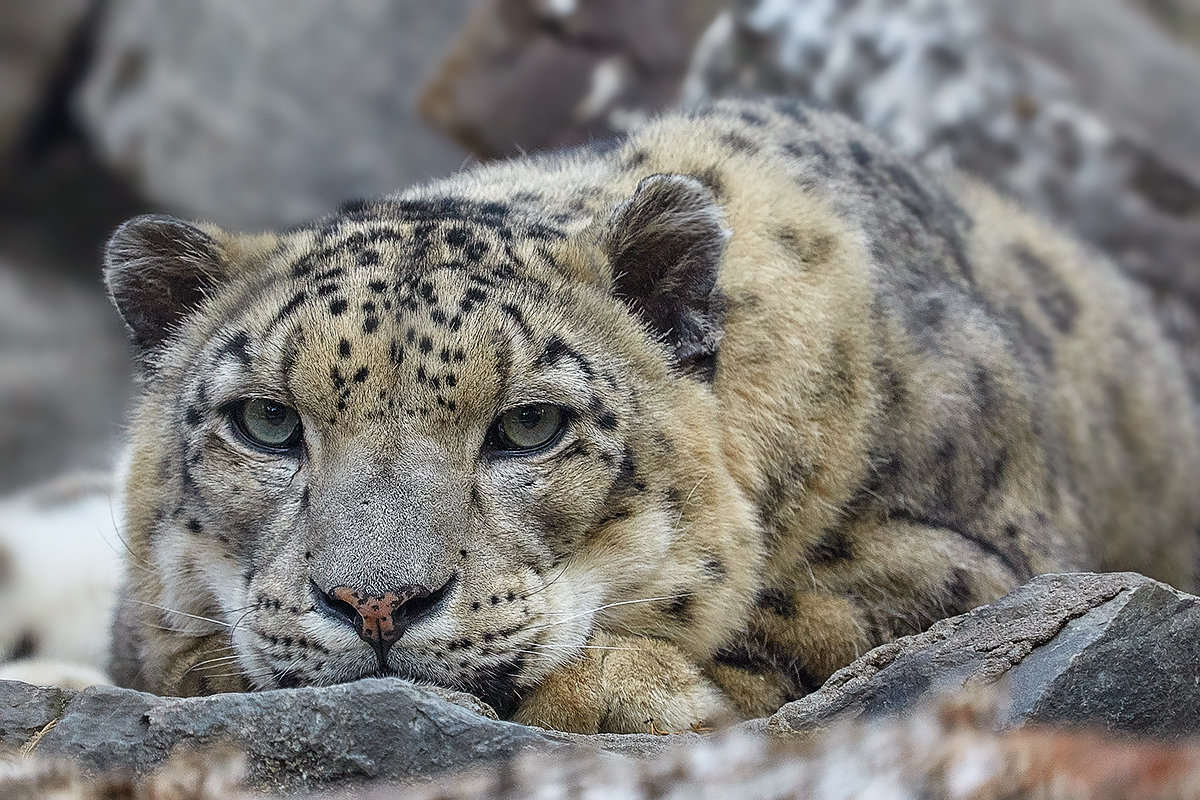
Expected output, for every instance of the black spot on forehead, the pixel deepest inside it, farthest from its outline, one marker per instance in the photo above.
(425, 290)
(715, 568)
(413, 223)
(238, 348)
(289, 308)
(515, 313)
(679, 608)
(471, 298)
(557, 350)
(834, 546)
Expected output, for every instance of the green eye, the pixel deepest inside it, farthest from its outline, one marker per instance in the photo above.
(267, 424)
(528, 427)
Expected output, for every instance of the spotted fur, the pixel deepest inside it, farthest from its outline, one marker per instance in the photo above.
(816, 400)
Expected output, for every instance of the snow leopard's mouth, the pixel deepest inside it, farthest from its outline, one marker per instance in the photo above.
(499, 685)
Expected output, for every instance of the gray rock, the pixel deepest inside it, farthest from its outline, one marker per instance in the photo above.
(266, 112)
(34, 37)
(295, 739)
(1116, 650)
(1132, 664)
(26, 710)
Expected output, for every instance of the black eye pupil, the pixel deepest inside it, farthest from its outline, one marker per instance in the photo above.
(530, 417)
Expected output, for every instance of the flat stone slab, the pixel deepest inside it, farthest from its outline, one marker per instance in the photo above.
(1116, 650)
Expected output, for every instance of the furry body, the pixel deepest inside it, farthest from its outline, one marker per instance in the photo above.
(814, 400)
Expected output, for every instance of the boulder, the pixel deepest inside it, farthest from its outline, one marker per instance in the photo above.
(1116, 650)
(264, 113)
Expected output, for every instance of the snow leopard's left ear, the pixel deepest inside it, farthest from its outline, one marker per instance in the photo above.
(158, 269)
(665, 246)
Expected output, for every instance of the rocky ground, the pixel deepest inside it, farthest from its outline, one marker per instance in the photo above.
(256, 113)
(1114, 653)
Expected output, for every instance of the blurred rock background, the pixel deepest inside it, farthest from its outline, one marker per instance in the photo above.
(262, 113)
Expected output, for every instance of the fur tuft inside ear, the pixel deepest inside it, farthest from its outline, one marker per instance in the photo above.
(158, 268)
(665, 246)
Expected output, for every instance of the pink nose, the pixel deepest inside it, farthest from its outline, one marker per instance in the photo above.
(380, 619)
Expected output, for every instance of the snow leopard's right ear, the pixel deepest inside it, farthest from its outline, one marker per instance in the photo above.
(158, 269)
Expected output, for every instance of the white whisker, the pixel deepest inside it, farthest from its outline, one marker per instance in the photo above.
(212, 661)
(184, 614)
(239, 674)
(616, 604)
(579, 647)
(116, 527)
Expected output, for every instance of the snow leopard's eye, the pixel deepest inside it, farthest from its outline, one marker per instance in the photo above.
(267, 425)
(527, 428)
